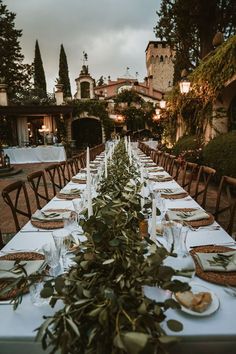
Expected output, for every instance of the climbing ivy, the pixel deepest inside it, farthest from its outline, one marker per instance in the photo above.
(207, 80)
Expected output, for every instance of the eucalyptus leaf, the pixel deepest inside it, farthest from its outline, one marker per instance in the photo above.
(174, 325)
(134, 342)
(108, 261)
(46, 292)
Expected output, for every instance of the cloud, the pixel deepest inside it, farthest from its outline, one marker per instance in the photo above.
(114, 33)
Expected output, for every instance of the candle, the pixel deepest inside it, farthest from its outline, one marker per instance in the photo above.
(153, 228)
(88, 184)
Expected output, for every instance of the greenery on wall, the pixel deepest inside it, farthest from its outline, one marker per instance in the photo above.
(207, 80)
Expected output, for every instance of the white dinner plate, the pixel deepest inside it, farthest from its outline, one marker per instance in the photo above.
(196, 288)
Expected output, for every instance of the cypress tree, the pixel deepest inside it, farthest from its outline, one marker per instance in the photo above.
(39, 75)
(11, 58)
(64, 73)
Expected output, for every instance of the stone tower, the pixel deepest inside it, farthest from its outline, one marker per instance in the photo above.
(160, 65)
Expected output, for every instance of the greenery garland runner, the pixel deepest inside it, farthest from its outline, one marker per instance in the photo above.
(105, 309)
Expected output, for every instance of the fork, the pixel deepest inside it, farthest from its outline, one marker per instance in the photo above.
(230, 290)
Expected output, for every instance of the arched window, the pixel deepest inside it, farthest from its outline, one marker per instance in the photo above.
(85, 89)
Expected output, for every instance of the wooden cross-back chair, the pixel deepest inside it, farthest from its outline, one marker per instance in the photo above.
(71, 167)
(226, 203)
(37, 182)
(189, 171)
(204, 176)
(65, 172)
(55, 177)
(169, 163)
(16, 197)
(175, 169)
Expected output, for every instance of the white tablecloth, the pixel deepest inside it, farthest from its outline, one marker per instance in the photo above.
(37, 154)
(206, 335)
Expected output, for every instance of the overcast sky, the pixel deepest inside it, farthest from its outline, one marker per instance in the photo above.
(114, 34)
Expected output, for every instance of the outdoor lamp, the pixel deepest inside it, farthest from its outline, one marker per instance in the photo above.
(158, 111)
(184, 83)
(162, 102)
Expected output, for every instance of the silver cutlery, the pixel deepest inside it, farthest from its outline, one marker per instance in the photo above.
(230, 290)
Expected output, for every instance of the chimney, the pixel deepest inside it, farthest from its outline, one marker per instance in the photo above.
(59, 94)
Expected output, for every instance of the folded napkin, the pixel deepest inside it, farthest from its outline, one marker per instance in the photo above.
(181, 215)
(71, 191)
(11, 269)
(46, 216)
(160, 178)
(220, 262)
(168, 191)
(156, 169)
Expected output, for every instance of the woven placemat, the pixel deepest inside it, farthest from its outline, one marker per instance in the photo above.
(78, 180)
(68, 196)
(197, 223)
(223, 278)
(174, 196)
(27, 256)
(48, 225)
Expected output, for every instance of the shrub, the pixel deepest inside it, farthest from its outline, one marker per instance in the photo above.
(220, 153)
(188, 148)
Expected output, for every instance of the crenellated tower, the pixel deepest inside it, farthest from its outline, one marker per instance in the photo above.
(160, 64)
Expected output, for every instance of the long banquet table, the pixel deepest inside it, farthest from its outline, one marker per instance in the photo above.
(36, 154)
(211, 334)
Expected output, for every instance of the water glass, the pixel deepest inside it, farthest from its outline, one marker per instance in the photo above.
(36, 299)
(171, 234)
(52, 259)
(62, 240)
(183, 263)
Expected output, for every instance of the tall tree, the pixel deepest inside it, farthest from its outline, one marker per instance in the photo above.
(190, 25)
(11, 58)
(39, 75)
(64, 73)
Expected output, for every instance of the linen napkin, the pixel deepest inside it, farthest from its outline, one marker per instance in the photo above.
(71, 191)
(79, 178)
(160, 178)
(169, 191)
(220, 262)
(181, 215)
(9, 269)
(46, 216)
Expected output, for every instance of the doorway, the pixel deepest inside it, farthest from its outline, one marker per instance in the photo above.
(86, 132)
